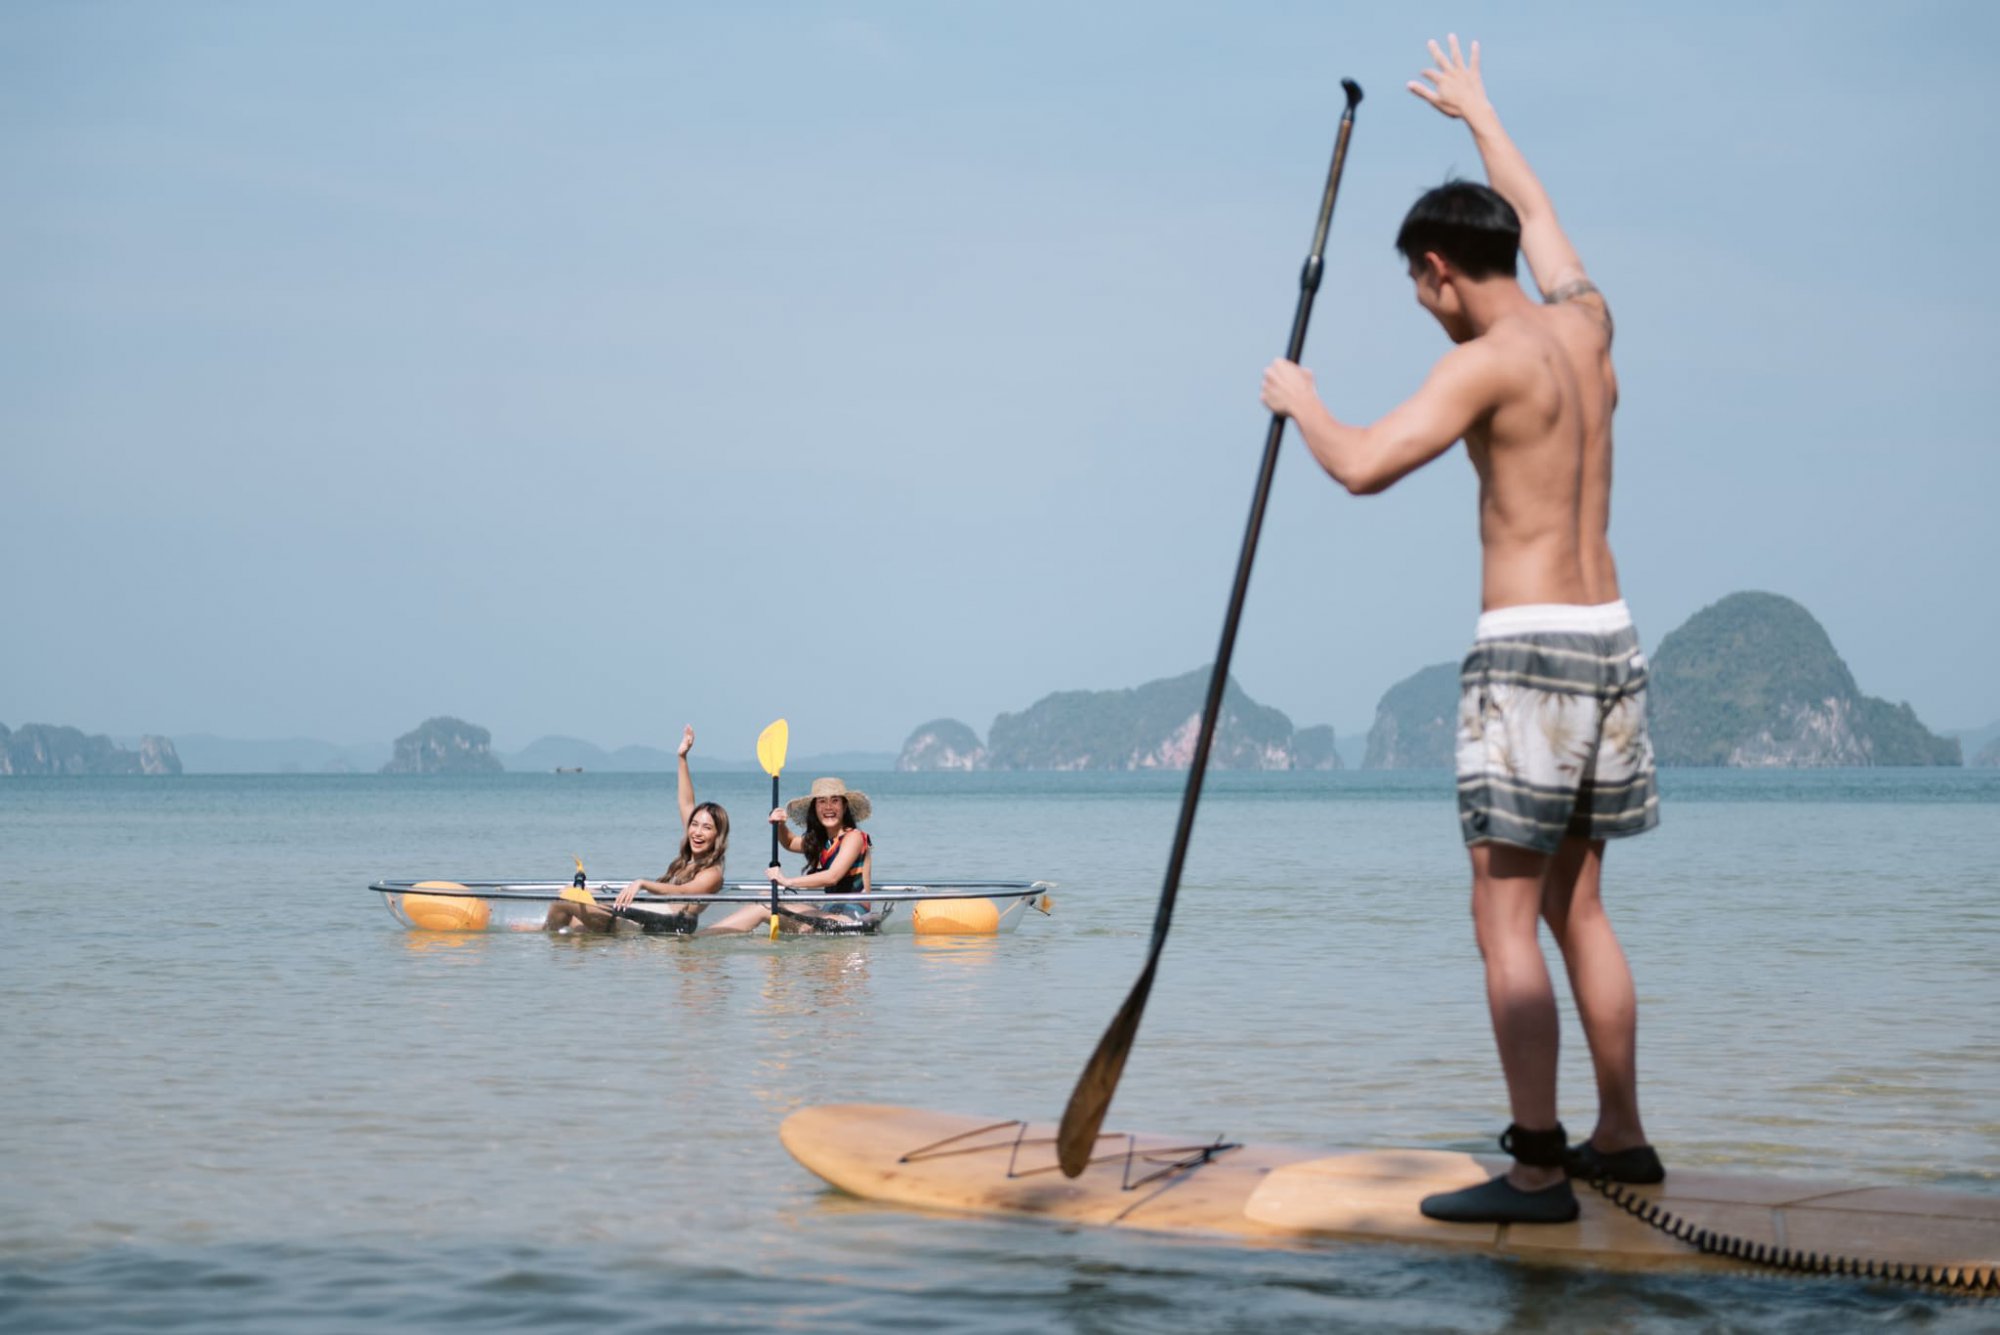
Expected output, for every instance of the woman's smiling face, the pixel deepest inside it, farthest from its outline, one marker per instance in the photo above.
(701, 832)
(830, 811)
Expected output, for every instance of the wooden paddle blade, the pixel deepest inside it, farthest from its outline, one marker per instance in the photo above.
(1091, 1099)
(771, 744)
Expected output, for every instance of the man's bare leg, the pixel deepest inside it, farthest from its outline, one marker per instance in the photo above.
(1507, 892)
(1601, 981)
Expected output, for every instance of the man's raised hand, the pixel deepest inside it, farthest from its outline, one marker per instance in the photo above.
(1456, 88)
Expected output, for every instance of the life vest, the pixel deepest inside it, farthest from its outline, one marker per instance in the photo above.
(853, 883)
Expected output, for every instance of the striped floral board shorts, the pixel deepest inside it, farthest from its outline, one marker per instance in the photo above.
(1552, 728)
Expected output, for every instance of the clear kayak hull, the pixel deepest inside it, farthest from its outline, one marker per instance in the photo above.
(923, 908)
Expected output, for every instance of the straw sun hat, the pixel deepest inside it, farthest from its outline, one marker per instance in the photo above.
(800, 808)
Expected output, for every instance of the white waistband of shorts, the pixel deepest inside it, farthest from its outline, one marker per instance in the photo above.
(1530, 618)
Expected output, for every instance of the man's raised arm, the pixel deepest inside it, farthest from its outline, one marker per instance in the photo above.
(1457, 90)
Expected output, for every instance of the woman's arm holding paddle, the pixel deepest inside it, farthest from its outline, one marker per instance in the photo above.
(792, 843)
(852, 844)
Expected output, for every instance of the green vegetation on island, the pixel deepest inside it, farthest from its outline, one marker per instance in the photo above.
(1754, 680)
(1153, 726)
(444, 745)
(48, 748)
(1416, 725)
(942, 744)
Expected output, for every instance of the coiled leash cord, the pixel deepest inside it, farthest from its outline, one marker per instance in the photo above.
(1545, 1149)
(1982, 1280)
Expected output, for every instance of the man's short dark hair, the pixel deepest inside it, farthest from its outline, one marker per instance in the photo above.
(1468, 224)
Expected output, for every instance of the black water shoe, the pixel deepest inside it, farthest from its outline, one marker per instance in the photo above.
(1501, 1202)
(1638, 1166)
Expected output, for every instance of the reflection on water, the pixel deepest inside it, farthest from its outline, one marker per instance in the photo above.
(958, 952)
(704, 979)
(432, 943)
(825, 980)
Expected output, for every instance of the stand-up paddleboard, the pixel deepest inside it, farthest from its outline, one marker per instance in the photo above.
(1274, 1196)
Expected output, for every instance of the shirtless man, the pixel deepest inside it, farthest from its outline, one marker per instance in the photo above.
(1553, 757)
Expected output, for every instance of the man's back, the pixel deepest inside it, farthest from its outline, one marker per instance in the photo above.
(1544, 457)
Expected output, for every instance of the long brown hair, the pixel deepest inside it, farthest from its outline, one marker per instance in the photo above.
(685, 867)
(814, 841)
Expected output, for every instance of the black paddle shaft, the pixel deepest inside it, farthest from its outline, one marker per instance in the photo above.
(1091, 1099)
(774, 845)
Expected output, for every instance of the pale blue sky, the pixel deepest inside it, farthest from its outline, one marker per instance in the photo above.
(594, 368)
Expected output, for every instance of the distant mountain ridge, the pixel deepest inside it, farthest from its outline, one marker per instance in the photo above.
(205, 753)
(551, 753)
(1981, 746)
(1152, 726)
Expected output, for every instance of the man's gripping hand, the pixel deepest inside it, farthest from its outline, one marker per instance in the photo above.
(1288, 389)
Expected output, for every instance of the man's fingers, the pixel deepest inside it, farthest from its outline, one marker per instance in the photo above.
(1437, 53)
(1457, 56)
(1423, 92)
(1475, 56)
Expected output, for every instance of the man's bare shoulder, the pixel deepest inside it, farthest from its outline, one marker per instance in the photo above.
(1580, 295)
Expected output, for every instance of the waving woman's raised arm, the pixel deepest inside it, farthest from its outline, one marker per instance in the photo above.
(686, 779)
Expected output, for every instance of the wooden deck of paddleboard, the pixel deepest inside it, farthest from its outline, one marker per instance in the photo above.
(1268, 1194)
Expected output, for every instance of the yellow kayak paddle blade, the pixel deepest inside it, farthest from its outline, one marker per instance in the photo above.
(771, 744)
(774, 927)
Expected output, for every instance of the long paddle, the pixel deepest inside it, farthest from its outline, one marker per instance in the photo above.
(1091, 1098)
(771, 744)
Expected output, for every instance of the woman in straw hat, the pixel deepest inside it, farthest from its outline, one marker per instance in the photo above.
(838, 857)
(836, 849)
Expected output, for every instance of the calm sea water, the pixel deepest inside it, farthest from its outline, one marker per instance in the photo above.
(240, 1097)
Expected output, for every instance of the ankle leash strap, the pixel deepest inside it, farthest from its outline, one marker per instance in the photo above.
(1538, 1149)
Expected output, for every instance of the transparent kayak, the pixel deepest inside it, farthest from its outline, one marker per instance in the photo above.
(922, 908)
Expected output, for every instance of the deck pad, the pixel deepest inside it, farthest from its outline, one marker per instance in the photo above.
(1273, 1195)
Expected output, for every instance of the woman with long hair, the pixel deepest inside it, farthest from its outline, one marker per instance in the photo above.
(696, 870)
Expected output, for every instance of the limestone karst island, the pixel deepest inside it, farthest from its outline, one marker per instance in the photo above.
(1752, 681)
